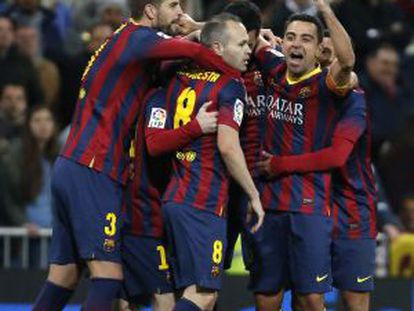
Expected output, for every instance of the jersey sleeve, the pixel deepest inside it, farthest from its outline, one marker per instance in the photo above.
(338, 90)
(268, 59)
(353, 118)
(159, 46)
(232, 101)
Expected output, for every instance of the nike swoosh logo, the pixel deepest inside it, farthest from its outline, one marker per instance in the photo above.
(362, 280)
(321, 278)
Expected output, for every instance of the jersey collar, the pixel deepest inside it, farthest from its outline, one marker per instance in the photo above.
(315, 71)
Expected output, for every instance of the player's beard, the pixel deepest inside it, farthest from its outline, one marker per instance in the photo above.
(171, 28)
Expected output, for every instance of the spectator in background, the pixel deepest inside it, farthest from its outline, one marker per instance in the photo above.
(74, 69)
(32, 13)
(285, 8)
(87, 13)
(16, 68)
(387, 98)
(407, 213)
(113, 14)
(371, 21)
(29, 162)
(28, 44)
(13, 106)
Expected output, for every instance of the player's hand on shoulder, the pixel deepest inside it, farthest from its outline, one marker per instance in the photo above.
(207, 119)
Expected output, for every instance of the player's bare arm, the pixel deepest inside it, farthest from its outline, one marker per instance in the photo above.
(232, 154)
(342, 67)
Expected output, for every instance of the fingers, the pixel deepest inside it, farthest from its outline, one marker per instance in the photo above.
(259, 223)
(205, 106)
(266, 155)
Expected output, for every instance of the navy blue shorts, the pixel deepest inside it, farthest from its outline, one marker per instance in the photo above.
(353, 264)
(236, 220)
(197, 244)
(236, 224)
(292, 250)
(146, 269)
(86, 215)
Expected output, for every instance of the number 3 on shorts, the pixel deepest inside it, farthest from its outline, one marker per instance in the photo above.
(110, 230)
(217, 252)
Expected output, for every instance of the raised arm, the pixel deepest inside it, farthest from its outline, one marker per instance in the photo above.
(340, 70)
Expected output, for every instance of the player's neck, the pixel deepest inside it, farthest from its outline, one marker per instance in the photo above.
(143, 21)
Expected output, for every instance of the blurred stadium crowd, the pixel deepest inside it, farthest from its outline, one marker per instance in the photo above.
(45, 45)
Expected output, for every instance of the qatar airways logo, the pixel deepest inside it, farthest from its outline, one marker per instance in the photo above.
(285, 110)
(256, 106)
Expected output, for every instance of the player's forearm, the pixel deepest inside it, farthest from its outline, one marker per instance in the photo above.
(323, 160)
(182, 48)
(235, 162)
(160, 141)
(340, 39)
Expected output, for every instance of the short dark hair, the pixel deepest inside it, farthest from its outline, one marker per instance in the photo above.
(216, 29)
(381, 46)
(301, 17)
(136, 7)
(12, 84)
(248, 12)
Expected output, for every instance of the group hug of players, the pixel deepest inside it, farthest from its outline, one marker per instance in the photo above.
(241, 139)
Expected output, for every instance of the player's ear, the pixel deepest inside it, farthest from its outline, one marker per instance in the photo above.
(319, 51)
(218, 48)
(150, 11)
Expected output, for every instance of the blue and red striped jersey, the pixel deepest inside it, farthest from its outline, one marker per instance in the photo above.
(301, 118)
(149, 177)
(354, 192)
(199, 177)
(252, 128)
(113, 86)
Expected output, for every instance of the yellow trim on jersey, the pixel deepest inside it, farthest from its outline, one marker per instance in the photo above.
(133, 21)
(291, 80)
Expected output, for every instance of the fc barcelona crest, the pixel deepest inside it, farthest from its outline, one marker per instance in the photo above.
(305, 92)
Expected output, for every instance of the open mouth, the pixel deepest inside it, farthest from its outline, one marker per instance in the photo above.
(296, 55)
